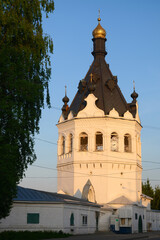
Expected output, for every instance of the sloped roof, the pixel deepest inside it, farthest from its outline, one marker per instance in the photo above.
(121, 200)
(107, 98)
(145, 196)
(106, 207)
(33, 195)
(105, 89)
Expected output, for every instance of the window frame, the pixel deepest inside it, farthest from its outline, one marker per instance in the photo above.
(33, 218)
(98, 146)
(127, 137)
(136, 216)
(114, 141)
(123, 221)
(72, 219)
(70, 142)
(83, 147)
(63, 143)
(84, 220)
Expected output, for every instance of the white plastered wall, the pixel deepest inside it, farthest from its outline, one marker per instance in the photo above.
(112, 174)
(53, 217)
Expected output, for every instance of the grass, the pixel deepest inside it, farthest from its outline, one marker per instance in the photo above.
(26, 235)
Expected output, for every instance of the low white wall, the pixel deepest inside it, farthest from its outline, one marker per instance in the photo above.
(79, 212)
(104, 221)
(140, 211)
(153, 220)
(52, 217)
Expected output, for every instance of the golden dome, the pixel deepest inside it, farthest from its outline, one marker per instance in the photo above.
(99, 32)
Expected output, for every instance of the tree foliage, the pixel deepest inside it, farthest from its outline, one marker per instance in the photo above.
(147, 189)
(24, 76)
(156, 200)
(154, 193)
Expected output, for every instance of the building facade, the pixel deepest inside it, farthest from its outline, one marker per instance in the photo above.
(99, 148)
(98, 163)
(35, 210)
(99, 144)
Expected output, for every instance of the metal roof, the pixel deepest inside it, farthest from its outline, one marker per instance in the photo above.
(122, 200)
(33, 195)
(106, 88)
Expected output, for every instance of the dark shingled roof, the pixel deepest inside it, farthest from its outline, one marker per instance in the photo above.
(107, 99)
(32, 195)
(106, 88)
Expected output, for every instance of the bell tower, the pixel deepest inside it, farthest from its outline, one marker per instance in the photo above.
(99, 143)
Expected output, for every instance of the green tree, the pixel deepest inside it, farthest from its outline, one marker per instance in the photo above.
(148, 190)
(156, 200)
(24, 76)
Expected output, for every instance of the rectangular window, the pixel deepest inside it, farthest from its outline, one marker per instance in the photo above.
(32, 218)
(84, 220)
(122, 221)
(136, 217)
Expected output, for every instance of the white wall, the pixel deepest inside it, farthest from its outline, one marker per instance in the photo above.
(52, 217)
(104, 220)
(78, 212)
(108, 169)
(153, 220)
(140, 211)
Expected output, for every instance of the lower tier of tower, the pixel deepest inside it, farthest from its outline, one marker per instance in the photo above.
(100, 182)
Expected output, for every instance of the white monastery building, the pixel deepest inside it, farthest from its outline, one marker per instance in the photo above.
(98, 161)
(99, 147)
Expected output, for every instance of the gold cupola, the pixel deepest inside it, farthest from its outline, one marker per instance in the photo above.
(99, 32)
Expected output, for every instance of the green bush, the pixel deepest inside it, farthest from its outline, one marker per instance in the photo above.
(26, 235)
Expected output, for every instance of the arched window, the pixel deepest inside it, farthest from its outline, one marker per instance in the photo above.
(72, 219)
(127, 143)
(90, 195)
(99, 141)
(83, 142)
(70, 142)
(63, 145)
(114, 142)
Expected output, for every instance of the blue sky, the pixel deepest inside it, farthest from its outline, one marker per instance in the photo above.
(133, 46)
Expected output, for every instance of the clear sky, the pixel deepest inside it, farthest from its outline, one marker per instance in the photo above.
(133, 46)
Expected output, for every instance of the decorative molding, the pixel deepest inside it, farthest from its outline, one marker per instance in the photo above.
(70, 116)
(61, 119)
(128, 115)
(137, 113)
(114, 113)
(91, 110)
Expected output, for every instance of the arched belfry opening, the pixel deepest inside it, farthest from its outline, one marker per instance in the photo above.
(88, 192)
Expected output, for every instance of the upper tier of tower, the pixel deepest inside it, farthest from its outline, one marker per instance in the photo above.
(100, 81)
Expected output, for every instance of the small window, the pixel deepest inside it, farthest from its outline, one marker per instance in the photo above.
(70, 143)
(32, 218)
(127, 143)
(136, 216)
(99, 141)
(122, 221)
(114, 142)
(83, 142)
(84, 220)
(72, 219)
(63, 145)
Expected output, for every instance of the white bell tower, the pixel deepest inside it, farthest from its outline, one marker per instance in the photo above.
(99, 146)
